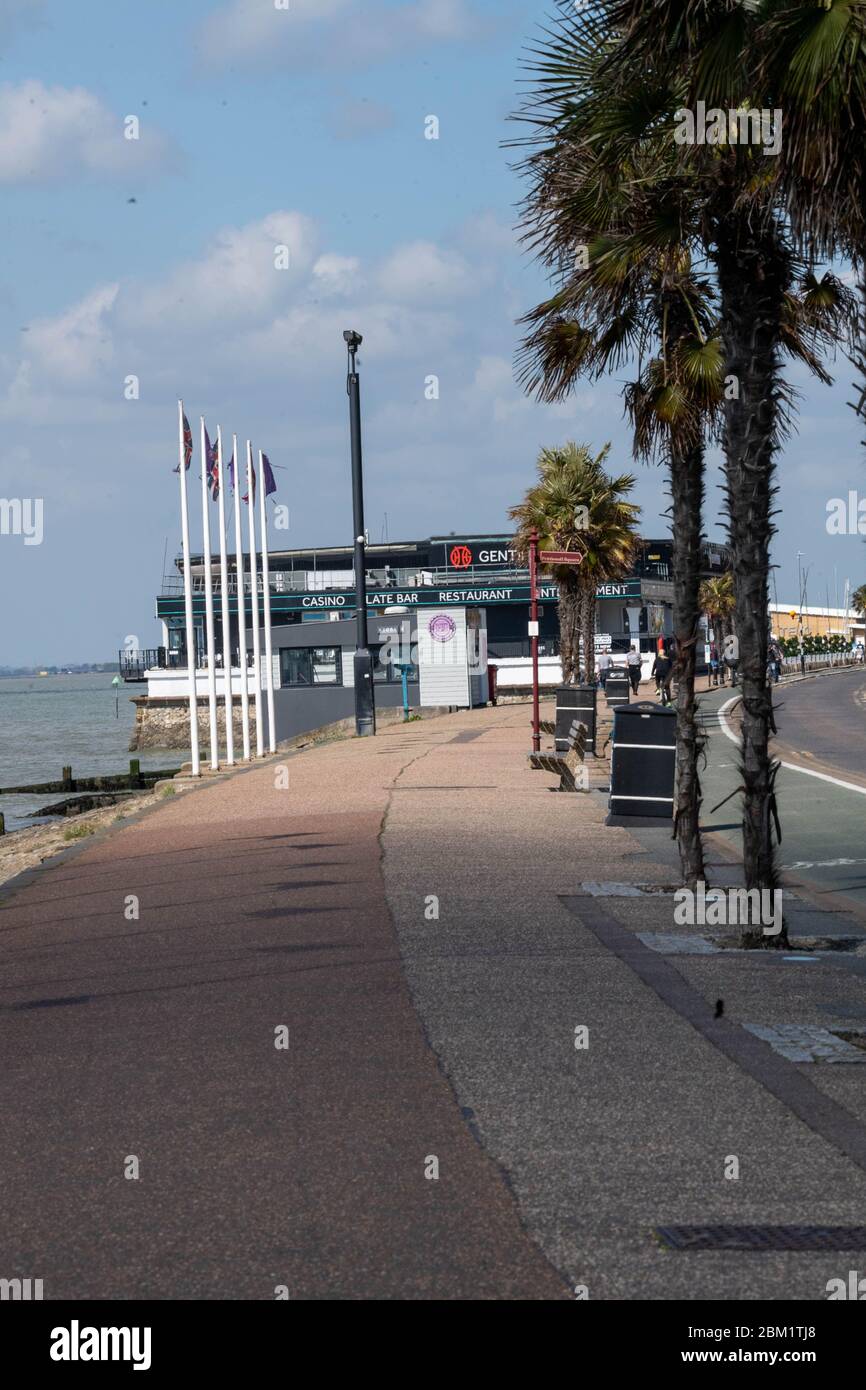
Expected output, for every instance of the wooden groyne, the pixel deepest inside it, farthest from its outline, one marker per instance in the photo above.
(134, 780)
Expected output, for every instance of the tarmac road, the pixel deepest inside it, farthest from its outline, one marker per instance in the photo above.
(821, 744)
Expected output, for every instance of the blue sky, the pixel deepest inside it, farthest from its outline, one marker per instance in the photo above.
(302, 127)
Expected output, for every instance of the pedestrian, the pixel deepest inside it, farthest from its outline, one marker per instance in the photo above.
(714, 664)
(634, 669)
(774, 653)
(662, 671)
(604, 664)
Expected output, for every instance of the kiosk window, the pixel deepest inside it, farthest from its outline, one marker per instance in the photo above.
(310, 666)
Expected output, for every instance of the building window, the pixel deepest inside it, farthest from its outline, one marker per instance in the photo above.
(301, 666)
(386, 672)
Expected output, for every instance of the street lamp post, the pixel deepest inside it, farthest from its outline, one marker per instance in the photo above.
(365, 708)
(533, 636)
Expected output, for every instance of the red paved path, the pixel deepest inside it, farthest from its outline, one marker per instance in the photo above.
(258, 907)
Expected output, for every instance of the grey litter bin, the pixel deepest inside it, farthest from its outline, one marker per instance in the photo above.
(617, 688)
(575, 702)
(642, 764)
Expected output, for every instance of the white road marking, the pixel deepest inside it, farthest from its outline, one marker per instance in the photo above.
(792, 767)
(823, 863)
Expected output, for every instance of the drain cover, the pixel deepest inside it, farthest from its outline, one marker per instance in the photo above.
(762, 1237)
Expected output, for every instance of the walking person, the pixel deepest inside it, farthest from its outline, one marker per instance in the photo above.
(634, 668)
(774, 653)
(714, 664)
(731, 659)
(662, 671)
(605, 661)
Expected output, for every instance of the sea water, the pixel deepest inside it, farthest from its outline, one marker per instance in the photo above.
(47, 722)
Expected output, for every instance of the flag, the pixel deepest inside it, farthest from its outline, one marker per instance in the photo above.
(270, 480)
(211, 466)
(187, 445)
(247, 496)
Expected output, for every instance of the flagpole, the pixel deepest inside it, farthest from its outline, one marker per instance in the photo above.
(254, 587)
(187, 599)
(266, 587)
(242, 603)
(224, 603)
(208, 604)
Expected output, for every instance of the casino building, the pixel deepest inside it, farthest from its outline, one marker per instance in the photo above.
(313, 608)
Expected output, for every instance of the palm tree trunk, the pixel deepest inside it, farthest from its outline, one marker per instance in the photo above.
(569, 629)
(687, 494)
(754, 273)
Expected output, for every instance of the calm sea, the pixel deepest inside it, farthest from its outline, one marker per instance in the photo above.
(49, 721)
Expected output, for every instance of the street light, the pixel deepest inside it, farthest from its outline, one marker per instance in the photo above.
(365, 708)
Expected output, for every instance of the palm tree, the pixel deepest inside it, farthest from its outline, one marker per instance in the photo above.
(813, 56)
(662, 56)
(717, 600)
(575, 505)
(858, 600)
(634, 291)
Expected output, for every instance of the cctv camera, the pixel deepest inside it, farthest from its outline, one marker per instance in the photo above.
(352, 338)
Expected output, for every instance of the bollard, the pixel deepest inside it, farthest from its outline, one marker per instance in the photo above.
(575, 702)
(617, 688)
(66, 779)
(135, 772)
(642, 765)
(2, 824)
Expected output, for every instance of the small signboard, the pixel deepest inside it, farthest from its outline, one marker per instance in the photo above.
(533, 627)
(560, 557)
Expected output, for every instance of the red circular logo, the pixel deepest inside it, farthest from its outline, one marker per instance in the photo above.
(461, 557)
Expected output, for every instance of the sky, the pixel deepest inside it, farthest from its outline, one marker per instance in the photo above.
(262, 126)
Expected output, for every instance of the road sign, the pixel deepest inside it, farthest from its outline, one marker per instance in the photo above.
(560, 557)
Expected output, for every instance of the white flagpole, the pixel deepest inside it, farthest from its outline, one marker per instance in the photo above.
(266, 587)
(242, 603)
(187, 600)
(224, 603)
(254, 585)
(208, 603)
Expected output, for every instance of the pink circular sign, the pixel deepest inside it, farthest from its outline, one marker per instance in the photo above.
(442, 628)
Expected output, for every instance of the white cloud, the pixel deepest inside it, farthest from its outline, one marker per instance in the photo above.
(51, 133)
(337, 274)
(229, 321)
(423, 270)
(331, 33)
(78, 342)
(237, 278)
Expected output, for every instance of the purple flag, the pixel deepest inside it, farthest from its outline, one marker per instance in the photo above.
(270, 480)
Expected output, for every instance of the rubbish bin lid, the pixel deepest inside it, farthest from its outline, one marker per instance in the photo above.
(645, 707)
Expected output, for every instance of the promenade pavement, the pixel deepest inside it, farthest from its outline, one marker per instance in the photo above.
(422, 913)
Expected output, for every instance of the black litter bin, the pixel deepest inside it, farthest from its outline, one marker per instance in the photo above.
(617, 688)
(575, 702)
(642, 764)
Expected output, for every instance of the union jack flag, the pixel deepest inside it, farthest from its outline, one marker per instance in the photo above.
(211, 466)
(187, 446)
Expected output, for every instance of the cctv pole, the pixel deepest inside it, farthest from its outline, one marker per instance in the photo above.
(365, 708)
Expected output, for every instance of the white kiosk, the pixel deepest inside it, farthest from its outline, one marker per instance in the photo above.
(452, 657)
